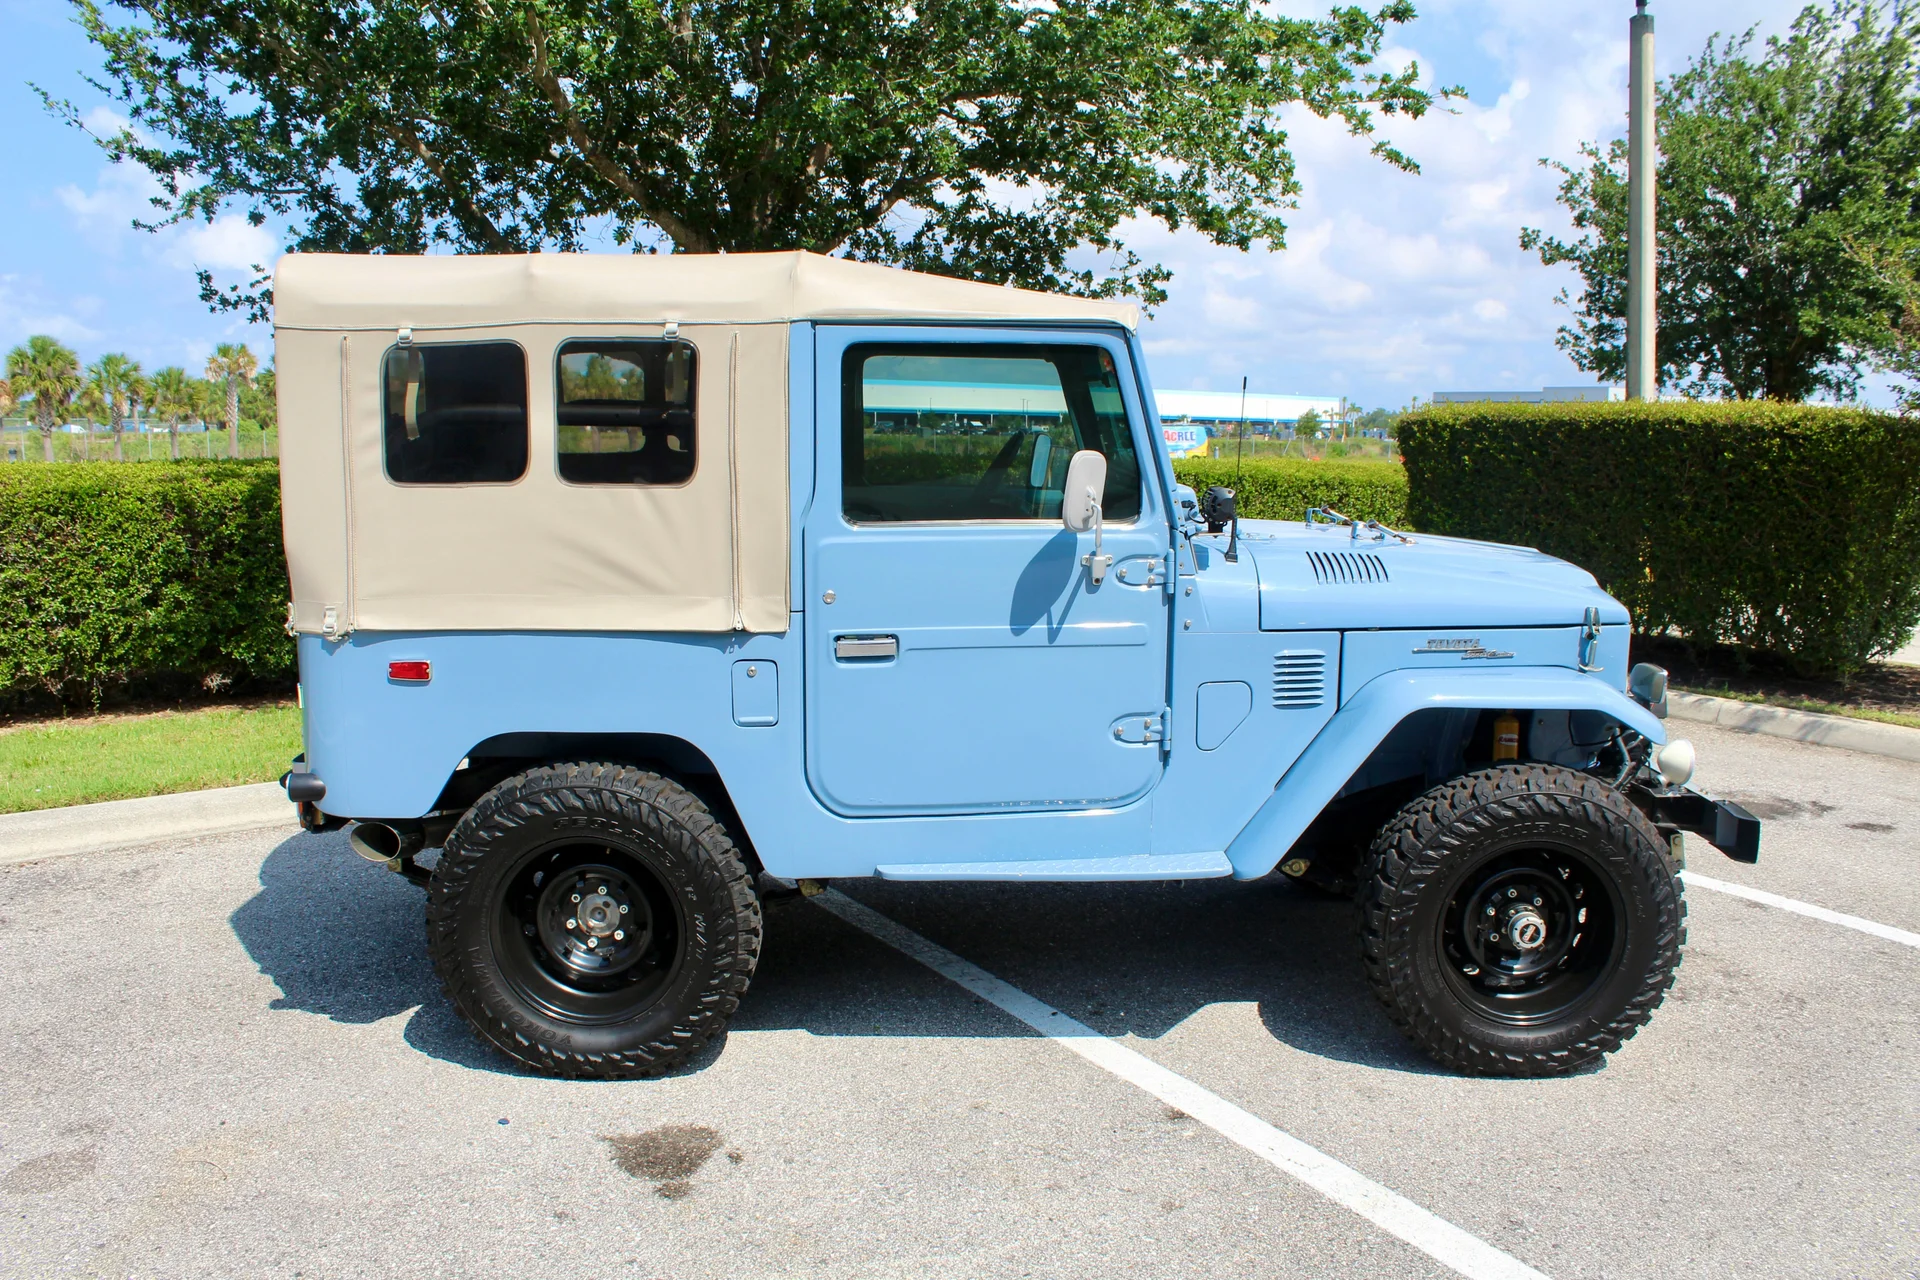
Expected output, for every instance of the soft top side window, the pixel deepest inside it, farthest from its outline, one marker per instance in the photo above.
(455, 413)
(979, 431)
(626, 411)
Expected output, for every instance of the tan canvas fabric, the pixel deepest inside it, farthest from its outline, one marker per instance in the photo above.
(712, 555)
(356, 291)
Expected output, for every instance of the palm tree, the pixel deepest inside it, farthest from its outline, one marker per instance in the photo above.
(170, 394)
(117, 382)
(232, 364)
(208, 397)
(49, 374)
(94, 409)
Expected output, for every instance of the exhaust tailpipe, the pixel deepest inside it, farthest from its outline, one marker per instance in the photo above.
(387, 845)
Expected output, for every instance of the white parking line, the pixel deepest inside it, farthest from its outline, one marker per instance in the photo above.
(1695, 880)
(1393, 1213)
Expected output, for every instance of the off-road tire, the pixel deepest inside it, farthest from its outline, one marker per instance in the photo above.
(697, 864)
(1429, 852)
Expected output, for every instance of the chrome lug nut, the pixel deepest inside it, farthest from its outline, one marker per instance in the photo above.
(576, 897)
(619, 935)
(573, 924)
(603, 888)
(624, 908)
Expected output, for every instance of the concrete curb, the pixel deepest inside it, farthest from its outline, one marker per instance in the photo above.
(118, 824)
(1869, 736)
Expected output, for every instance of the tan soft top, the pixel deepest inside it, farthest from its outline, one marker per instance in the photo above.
(540, 554)
(357, 291)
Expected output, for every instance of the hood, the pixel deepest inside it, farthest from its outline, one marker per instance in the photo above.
(1322, 578)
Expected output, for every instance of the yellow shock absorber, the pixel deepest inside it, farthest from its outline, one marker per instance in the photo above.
(1506, 737)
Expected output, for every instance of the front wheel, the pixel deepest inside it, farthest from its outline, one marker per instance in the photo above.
(1520, 921)
(593, 920)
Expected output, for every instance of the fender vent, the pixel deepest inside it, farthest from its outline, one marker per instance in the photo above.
(1299, 678)
(1347, 568)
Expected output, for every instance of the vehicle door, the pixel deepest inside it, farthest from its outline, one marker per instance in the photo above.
(960, 657)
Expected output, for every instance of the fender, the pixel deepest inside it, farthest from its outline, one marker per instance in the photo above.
(1345, 742)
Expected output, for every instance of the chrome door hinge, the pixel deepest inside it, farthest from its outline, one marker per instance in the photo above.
(1160, 572)
(1144, 729)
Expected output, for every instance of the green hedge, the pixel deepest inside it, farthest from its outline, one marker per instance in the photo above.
(140, 574)
(1790, 529)
(1283, 488)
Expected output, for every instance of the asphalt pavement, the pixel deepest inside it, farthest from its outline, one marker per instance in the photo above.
(229, 1057)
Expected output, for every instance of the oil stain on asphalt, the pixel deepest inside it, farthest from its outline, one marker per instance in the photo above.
(49, 1172)
(668, 1156)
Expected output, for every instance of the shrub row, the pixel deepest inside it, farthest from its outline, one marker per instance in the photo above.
(1283, 488)
(151, 575)
(1790, 529)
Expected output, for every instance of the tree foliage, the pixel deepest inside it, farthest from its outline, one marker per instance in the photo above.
(1004, 140)
(1783, 168)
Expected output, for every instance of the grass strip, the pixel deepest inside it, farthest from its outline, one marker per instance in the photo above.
(1810, 704)
(46, 764)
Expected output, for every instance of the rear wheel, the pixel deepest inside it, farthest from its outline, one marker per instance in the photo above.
(593, 920)
(1521, 921)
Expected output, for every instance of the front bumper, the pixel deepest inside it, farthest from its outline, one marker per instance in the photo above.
(1721, 823)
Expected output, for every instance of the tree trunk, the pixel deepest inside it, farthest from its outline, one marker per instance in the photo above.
(119, 437)
(233, 417)
(173, 440)
(46, 436)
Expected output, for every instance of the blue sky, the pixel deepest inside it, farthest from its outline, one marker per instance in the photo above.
(1392, 285)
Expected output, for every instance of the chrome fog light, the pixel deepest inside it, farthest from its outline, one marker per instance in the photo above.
(1674, 762)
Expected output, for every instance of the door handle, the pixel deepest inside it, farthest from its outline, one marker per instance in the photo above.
(858, 647)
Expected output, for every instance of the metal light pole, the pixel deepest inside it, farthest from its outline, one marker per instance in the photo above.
(1642, 176)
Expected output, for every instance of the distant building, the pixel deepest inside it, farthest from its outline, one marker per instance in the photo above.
(1188, 418)
(1545, 395)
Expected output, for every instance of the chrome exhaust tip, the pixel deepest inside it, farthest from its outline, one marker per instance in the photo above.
(384, 844)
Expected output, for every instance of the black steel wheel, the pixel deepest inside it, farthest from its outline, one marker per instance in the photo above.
(593, 920)
(1523, 920)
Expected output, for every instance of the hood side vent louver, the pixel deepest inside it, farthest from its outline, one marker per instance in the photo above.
(1347, 568)
(1299, 678)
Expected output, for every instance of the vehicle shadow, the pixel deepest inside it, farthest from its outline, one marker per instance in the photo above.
(343, 938)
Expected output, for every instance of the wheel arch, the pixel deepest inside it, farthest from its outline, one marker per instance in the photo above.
(1341, 753)
(492, 760)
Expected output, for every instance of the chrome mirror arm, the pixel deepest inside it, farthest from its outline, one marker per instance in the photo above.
(1096, 562)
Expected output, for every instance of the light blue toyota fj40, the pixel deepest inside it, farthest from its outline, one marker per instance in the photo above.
(624, 582)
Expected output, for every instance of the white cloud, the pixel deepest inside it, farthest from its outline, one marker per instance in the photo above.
(228, 243)
(24, 313)
(1395, 284)
(104, 122)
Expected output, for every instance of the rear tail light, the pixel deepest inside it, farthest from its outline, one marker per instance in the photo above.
(410, 672)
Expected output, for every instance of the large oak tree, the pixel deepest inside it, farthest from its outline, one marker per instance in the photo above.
(1005, 140)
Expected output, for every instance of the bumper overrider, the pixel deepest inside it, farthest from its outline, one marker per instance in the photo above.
(1721, 823)
(306, 790)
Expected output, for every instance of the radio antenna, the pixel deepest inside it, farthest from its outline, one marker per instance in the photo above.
(1240, 454)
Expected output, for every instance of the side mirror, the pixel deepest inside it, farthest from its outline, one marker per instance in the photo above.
(1648, 685)
(1086, 481)
(1080, 506)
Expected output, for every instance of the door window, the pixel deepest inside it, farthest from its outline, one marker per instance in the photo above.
(979, 432)
(455, 413)
(626, 412)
